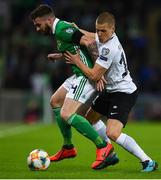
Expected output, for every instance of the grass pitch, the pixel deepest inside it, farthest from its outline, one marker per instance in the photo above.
(16, 143)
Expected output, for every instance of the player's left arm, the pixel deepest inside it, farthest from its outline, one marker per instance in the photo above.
(91, 45)
(74, 35)
(94, 74)
(87, 33)
(85, 38)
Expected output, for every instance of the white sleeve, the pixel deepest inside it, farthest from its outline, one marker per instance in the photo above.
(105, 58)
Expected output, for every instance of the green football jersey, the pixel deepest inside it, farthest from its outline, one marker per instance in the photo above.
(63, 33)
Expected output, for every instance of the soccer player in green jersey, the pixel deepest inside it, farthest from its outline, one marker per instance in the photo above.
(71, 39)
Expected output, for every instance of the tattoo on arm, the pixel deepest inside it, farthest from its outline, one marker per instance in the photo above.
(93, 50)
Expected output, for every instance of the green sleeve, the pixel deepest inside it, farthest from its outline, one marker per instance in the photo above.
(66, 34)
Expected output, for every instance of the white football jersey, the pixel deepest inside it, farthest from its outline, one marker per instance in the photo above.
(113, 58)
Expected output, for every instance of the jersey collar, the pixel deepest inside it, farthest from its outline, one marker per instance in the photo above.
(54, 25)
(114, 34)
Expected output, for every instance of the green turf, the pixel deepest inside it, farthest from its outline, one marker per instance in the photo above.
(14, 149)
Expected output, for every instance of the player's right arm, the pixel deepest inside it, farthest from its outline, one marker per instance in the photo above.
(94, 73)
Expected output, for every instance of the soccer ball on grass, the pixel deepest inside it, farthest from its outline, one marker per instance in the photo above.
(38, 159)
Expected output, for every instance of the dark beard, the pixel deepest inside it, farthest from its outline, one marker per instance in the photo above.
(47, 31)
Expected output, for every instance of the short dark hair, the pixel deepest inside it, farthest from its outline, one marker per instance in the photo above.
(106, 17)
(42, 10)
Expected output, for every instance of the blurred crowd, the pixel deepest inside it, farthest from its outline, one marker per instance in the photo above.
(23, 52)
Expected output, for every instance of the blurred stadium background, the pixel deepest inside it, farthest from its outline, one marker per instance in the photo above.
(27, 79)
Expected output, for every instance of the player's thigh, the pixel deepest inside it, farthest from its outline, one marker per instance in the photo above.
(57, 99)
(120, 106)
(81, 90)
(92, 116)
(84, 108)
(69, 107)
(101, 104)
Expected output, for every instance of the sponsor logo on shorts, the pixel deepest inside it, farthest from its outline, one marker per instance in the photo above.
(113, 113)
(115, 107)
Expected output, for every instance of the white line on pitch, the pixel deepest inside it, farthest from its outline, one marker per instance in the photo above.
(18, 130)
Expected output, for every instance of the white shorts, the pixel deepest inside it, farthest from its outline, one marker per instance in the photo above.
(79, 88)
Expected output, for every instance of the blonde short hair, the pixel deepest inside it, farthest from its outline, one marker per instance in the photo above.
(106, 17)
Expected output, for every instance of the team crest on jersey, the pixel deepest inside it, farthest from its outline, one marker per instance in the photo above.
(105, 51)
(69, 30)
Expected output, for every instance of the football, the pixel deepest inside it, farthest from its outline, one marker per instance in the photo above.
(38, 159)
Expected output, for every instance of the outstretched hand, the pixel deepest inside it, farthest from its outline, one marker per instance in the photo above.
(72, 58)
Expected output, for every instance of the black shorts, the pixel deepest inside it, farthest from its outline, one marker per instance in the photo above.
(115, 105)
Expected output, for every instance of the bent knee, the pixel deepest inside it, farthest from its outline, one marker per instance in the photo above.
(55, 102)
(51, 102)
(65, 115)
(113, 134)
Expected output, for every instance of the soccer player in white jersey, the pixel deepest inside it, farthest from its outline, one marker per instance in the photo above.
(120, 93)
